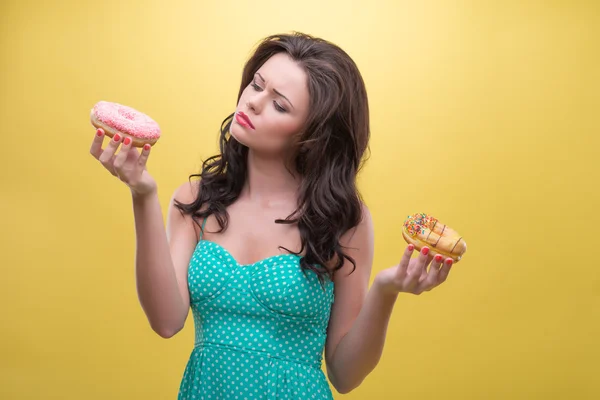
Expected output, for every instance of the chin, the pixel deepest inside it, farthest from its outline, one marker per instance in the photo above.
(237, 132)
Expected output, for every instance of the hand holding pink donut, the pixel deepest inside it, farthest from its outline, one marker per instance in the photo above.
(128, 165)
(123, 124)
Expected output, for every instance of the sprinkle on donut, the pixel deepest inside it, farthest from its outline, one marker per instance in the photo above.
(417, 223)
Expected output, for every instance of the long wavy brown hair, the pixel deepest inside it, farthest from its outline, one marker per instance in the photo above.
(328, 153)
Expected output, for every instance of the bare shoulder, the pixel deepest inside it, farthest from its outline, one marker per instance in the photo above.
(359, 244)
(364, 230)
(186, 193)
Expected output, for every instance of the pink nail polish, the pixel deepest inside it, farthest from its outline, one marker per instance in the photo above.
(126, 141)
(425, 250)
(438, 258)
(99, 132)
(117, 137)
(411, 247)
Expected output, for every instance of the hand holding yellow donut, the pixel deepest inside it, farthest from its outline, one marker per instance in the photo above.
(439, 248)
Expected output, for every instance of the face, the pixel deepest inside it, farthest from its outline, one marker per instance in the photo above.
(273, 107)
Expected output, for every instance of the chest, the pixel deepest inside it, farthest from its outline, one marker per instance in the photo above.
(253, 235)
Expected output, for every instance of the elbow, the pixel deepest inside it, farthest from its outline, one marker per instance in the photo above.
(166, 332)
(349, 380)
(345, 388)
(342, 391)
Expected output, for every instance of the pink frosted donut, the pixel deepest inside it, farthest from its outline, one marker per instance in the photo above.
(115, 118)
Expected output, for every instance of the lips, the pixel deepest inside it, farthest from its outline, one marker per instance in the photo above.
(244, 119)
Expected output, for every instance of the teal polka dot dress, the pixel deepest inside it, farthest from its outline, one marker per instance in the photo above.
(260, 329)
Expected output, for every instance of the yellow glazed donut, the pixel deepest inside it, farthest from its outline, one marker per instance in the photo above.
(421, 230)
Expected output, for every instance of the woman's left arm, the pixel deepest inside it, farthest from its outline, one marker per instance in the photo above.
(360, 316)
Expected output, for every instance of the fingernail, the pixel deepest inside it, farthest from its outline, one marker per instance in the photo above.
(425, 250)
(411, 247)
(99, 132)
(449, 262)
(146, 146)
(117, 137)
(438, 258)
(126, 141)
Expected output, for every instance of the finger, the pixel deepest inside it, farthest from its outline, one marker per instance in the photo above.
(123, 155)
(436, 263)
(96, 148)
(414, 275)
(427, 265)
(431, 279)
(422, 261)
(106, 158)
(143, 158)
(414, 266)
(402, 269)
(445, 270)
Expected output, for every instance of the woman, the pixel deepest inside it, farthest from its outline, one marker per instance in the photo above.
(272, 247)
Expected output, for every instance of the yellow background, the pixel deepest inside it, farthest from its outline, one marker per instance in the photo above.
(484, 114)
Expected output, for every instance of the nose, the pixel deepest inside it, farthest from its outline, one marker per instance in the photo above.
(250, 105)
(254, 103)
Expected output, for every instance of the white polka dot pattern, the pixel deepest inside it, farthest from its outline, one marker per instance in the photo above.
(260, 328)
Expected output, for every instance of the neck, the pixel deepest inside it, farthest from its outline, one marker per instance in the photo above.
(269, 182)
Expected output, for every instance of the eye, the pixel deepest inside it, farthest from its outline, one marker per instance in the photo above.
(259, 89)
(278, 107)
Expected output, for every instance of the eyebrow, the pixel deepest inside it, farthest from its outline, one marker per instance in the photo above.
(275, 90)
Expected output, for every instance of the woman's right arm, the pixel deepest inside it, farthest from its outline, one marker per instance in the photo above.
(162, 255)
(162, 258)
